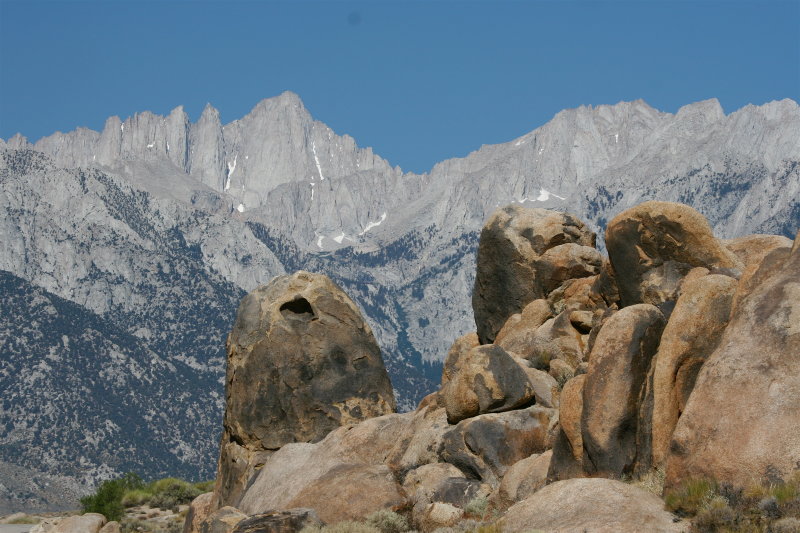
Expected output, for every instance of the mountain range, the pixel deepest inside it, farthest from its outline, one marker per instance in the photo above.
(125, 253)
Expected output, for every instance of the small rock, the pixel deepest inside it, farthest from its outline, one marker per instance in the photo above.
(523, 479)
(199, 510)
(86, 523)
(439, 514)
(288, 521)
(223, 520)
(111, 527)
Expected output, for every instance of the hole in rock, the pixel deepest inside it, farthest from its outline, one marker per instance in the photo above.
(297, 308)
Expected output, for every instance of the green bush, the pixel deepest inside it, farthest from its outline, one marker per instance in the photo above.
(170, 492)
(689, 497)
(387, 521)
(135, 497)
(205, 486)
(477, 507)
(107, 500)
(715, 515)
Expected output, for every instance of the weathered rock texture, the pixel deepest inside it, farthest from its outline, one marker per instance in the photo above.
(342, 477)
(87, 523)
(741, 418)
(618, 366)
(289, 521)
(653, 245)
(693, 332)
(596, 505)
(199, 510)
(301, 362)
(485, 447)
(487, 380)
(512, 241)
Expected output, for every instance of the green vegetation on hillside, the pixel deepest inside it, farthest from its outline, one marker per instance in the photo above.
(114, 495)
(718, 508)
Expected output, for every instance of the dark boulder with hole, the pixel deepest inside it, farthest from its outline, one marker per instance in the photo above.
(302, 361)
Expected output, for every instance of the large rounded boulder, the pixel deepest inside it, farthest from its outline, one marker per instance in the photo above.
(618, 367)
(596, 505)
(512, 245)
(301, 362)
(692, 334)
(741, 420)
(654, 245)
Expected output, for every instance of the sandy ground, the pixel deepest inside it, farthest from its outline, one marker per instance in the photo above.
(15, 528)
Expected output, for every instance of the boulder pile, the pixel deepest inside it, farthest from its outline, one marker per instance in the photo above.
(679, 352)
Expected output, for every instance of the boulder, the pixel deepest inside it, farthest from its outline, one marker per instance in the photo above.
(111, 527)
(754, 275)
(653, 245)
(301, 362)
(561, 371)
(223, 520)
(567, 262)
(488, 381)
(511, 242)
(460, 347)
(691, 335)
(421, 483)
(288, 521)
(351, 492)
(523, 479)
(567, 459)
(459, 491)
(198, 511)
(545, 386)
(439, 515)
(596, 505)
(485, 446)
(86, 523)
(341, 477)
(419, 442)
(618, 366)
(751, 249)
(517, 334)
(736, 424)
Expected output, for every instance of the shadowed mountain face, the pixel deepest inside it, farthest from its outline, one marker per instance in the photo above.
(147, 235)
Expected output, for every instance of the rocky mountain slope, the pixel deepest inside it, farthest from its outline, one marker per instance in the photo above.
(158, 226)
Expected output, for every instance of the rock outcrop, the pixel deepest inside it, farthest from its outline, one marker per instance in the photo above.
(513, 241)
(740, 420)
(301, 362)
(693, 332)
(618, 366)
(689, 363)
(653, 245)
(487, 380)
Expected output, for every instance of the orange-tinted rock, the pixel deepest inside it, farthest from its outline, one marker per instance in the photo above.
(653, 245)
(740, 418)
(618, 366)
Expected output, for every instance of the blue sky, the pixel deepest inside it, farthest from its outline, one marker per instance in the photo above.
(417, 81)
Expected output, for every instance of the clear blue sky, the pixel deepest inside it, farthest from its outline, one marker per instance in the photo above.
(417, 81)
